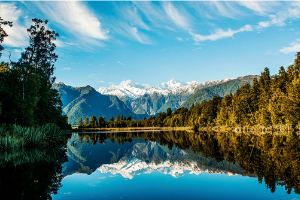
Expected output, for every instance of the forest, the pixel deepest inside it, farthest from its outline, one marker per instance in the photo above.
(30, 109)
(269, 101)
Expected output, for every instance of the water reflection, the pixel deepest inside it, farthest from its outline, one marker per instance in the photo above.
(274, 159)
(31, 173)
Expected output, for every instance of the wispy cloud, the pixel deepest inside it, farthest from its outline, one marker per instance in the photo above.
(101, 81)
(142, 38)
(294, 47)
(181, 20)
(17, 35)
(67, 68)
(77, 19)
(197, 48)
(226, 9)
(281, 18)
(259, 7)
(120, 63)
(220, 34)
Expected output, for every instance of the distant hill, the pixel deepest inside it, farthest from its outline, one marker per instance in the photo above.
(86, 102)
(219, 90)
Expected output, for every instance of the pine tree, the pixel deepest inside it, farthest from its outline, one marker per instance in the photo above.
(86, 121)
(80, 122)
(94, 121)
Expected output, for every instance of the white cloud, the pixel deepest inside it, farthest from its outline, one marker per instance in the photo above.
(131, 15)
(260, 7)
(76, 17)
(223, 8)
(139, 36)
(280, 18)
(71, 43)
(67, 68)
(197, 48)
(178, 18)
(58, 43)
(293, 48)
(101, 81)
(17, 35)
(220, 34)
(179, 39)
(119, 62)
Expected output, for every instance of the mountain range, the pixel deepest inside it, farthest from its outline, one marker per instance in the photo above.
(141, 100)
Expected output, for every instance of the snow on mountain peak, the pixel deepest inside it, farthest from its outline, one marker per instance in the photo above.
(135, 166)
(127, 83)
(134, 90)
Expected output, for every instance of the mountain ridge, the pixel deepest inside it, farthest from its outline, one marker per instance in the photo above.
(141, 100)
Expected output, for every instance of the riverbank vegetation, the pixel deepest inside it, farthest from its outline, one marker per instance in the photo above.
(269, 101)
(28, 102)
(15, 137)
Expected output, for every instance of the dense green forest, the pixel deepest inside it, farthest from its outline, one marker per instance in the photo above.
(27, 97)
(270, 100)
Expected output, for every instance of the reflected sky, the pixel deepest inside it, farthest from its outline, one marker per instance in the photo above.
(149, 178)
(157, 185)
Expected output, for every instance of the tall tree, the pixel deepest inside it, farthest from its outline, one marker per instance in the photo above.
(40, 53)
(94, 122)
(86, 121)
(80, 121)
(3, 34)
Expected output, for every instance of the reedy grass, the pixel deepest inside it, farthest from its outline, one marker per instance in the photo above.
(14, 137)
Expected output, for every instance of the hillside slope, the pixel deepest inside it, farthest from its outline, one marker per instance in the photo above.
(219, 90)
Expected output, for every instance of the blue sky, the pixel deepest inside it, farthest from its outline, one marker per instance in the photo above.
(103, 43)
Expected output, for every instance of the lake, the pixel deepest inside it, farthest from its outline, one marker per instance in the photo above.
(157, 165)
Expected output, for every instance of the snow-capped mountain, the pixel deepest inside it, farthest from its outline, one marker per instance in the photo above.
(135, 166)
(134, 90)
(139, 157)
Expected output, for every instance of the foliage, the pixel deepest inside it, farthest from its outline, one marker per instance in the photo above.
(268, 101)
(3, 34)
(26, 87)
(15, 137)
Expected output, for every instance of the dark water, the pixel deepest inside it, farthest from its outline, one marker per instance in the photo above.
(157, 165)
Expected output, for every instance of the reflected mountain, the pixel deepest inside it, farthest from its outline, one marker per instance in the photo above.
(137, 156)
(272, 158)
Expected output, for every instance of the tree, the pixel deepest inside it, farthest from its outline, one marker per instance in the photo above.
(118, 118)
(40, 54)
(41, 48)
(101, 121)
(169, 112)
(86, 121)
(112, 119)
(80, 122)
(94, 121)
(129, 118)
(3, 34)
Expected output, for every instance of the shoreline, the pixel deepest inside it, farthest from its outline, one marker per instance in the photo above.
(278, 129)
(133, 129)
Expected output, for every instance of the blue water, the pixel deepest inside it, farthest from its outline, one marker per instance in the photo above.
(160, 186)
(77, 184)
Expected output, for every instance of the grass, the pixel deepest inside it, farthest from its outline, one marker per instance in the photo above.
(14, 137)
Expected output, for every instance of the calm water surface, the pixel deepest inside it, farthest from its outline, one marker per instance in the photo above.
(161, 165)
